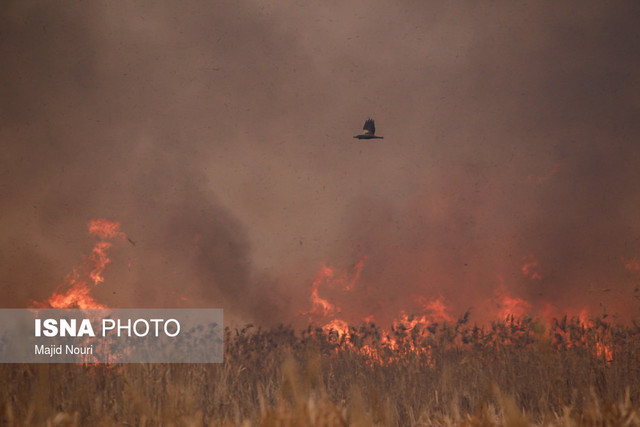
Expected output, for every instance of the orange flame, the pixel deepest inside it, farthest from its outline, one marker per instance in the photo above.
(510, 306)
(75, 292)
(329, 277)
(416, 333)
(105, 229)
(437, 310)
(76, 296)
(603, 351)
(339, 326)
(319, 304)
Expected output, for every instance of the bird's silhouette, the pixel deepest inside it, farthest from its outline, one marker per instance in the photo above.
(369, 130)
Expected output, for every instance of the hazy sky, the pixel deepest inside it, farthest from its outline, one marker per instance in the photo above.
(219, 134)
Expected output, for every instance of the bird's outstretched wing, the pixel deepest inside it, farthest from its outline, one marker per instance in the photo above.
(369, 127)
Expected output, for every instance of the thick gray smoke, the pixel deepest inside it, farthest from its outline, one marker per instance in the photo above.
(219, 134)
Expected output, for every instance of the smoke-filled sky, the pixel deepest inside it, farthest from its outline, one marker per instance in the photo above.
(219, 135)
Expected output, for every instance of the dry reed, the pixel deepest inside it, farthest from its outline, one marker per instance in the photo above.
(516, 372)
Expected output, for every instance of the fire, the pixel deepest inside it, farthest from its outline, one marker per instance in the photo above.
(414, 333)
(604, 352)
(76, 296)
(330, 278)
(583, 317)
(510, 306)
(437, 309)
(105, 229)
(584, 331)
(339, 326)
(391, 344)
(320, 305)
(75, 291)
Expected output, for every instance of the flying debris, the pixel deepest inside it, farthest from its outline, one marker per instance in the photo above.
(369, 131)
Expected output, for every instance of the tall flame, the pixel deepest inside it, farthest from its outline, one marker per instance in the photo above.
(75, 291)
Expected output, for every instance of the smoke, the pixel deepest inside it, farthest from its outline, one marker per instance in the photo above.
(219, 136)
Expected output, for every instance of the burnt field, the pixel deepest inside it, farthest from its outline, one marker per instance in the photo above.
(513, 372)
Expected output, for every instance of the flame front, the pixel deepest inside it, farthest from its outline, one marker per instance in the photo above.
(414, 332)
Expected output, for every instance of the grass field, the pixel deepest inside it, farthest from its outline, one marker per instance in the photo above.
(516, 372)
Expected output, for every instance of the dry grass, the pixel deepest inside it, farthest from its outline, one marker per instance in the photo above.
(511, 373)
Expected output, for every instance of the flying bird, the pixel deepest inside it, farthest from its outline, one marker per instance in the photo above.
(369, 131)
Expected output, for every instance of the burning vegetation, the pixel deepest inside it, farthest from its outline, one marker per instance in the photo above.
(427, 368)
(511, 372)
